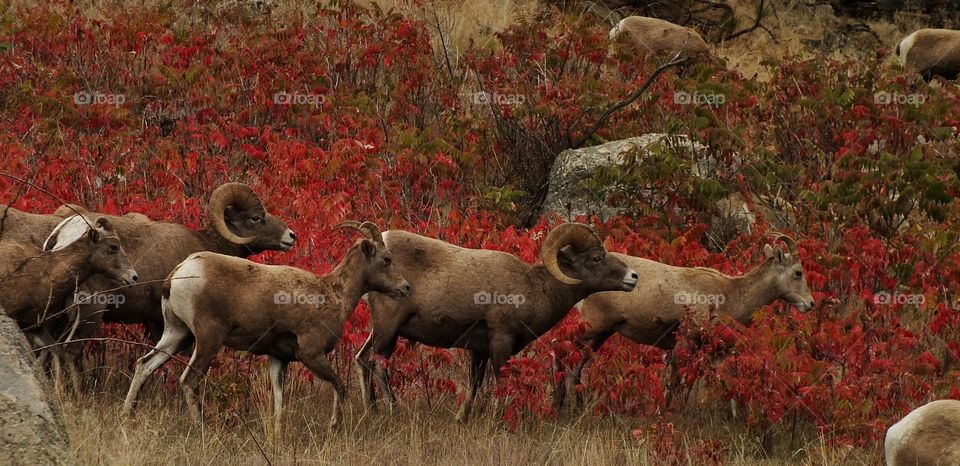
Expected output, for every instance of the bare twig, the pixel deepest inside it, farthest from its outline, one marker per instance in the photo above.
(48, 193)
(757, 24)
(675, 61)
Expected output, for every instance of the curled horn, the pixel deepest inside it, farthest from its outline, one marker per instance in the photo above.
(577, 235)
(241, 197)
(369, 229)
(791, 244)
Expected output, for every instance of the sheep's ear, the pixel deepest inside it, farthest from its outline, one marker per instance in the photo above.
(775, 253)
(368, 248)
(229, 214)
(93, 235)
(565, 256)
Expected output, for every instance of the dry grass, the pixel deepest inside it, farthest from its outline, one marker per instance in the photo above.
(417, 433)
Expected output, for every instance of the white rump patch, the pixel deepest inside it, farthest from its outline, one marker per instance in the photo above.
(897, 434)
(616, 29)
(66, 232)
(904, 47)
(186, 283)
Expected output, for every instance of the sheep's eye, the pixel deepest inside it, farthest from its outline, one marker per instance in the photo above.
(597, 259)
(387, 261)
(798, 274)
(114, 248)
(257, 219)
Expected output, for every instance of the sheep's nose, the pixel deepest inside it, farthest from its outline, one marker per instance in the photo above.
(634, 276)
(293, 235)
(812, 303)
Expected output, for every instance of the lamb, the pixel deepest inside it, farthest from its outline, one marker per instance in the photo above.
(35, 283)
(931, 52)
(661, 38)
(651, 313)
(238, 225)
(928, 435)
(285, 313)
(490, 303)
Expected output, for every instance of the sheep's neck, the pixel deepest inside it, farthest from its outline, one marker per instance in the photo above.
(347, 280)
(68, 269)
(750, 292)
(220, 245)
(560, 296)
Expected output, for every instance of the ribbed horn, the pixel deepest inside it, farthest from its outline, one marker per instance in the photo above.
(791, 244)
(577, 235)
(369, 229)
(242, 198)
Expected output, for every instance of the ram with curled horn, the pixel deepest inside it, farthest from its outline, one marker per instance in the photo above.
(651, 313)
(238, 225)
(490, 303)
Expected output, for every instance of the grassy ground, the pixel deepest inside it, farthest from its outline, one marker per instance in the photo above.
(240, 432)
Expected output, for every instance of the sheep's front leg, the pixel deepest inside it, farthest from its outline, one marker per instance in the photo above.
(382, 344)
(478, 369)
(501, 349)
(312, 356)
(203, 352)
(594, 340)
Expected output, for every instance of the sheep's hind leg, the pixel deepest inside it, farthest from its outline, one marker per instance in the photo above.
(174, 339)
(278, 373)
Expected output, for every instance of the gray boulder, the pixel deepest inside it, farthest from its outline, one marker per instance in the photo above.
(567, 194)
(31, 426)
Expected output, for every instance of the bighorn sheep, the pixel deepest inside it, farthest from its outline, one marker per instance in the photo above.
(931, 52)
(34, 283)
(661, 38)
(651, 313)
(928, 435)
(488, 302)
(238, 226)
(285, 313)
